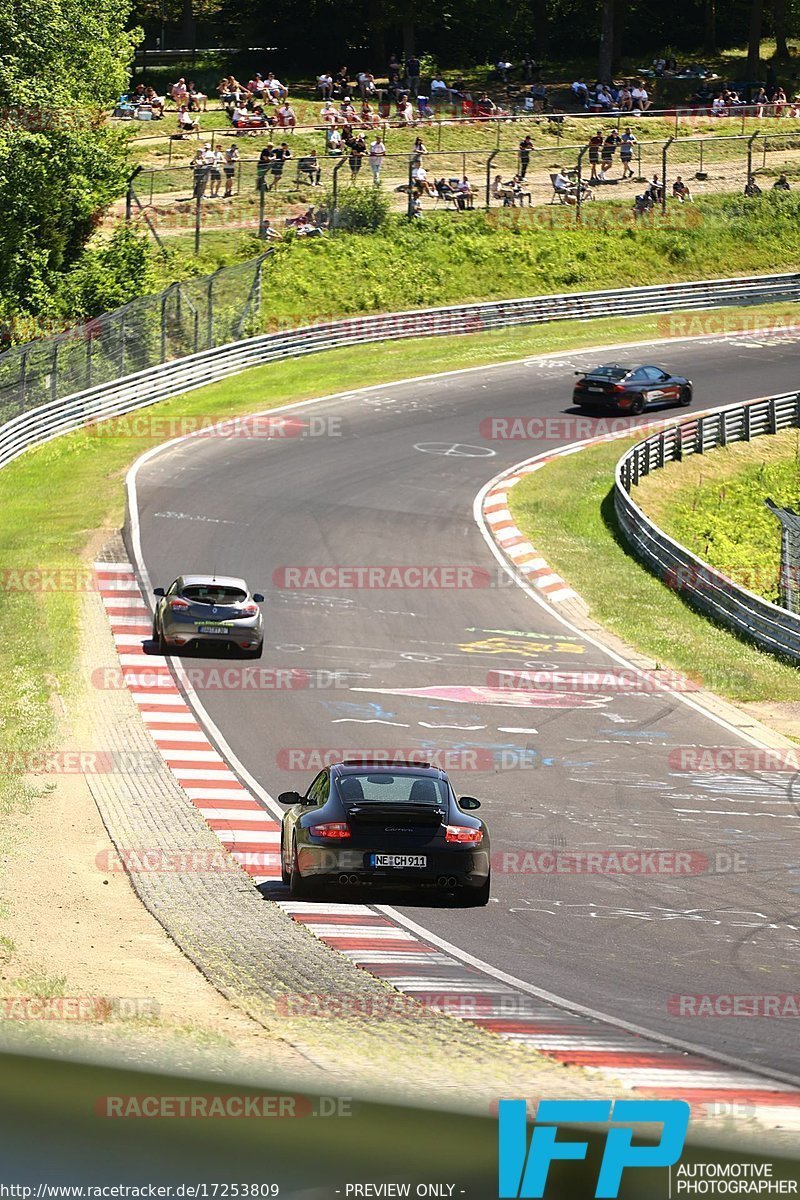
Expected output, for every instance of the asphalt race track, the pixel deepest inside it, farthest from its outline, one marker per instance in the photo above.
(571, 772)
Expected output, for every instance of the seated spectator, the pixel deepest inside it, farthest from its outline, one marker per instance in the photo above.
(156, 103)
(760, 103)
(257, 87)
(603, 98)
(580, 92)
(538, 94)
(268, 232)
(643, 203)
(286, 116)
(517, 186)
(416, 207)
(179, 92)
(197, 100)
(751, 188)
(368, 118)
(656, 189)
(186, 122)
(325, 85)
(341, 82)
(445, 191)
(779, 101)
(680, 191)
(422, 184)
(639, 97)
(366, 85)
(274, 89)
(781, 184)
(659, 65)
(405, 111)
(564, 187)
(625, 99)
(466, 194)
(485, 106)
(502, 191)
(231, 92)
(329, 114)
(333, 141)
(439, 89)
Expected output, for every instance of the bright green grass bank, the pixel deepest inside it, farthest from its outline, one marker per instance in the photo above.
(449, 258)
(714, 505)
(567, 511)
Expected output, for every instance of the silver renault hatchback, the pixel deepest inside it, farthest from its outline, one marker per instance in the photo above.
(209, 608)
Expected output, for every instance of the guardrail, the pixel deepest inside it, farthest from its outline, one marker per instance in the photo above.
(156, 383)
(773, 628)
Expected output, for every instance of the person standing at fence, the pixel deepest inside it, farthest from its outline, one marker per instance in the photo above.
(377, 151)
(263, 166)
(595, 146)
(412, 75)
(215, 171)
(231, 158)
(279, 158)
(627, 142)
(200, 165)
(525, 147)
(358, 148)
(610, 143)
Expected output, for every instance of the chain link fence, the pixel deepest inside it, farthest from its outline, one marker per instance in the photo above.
(197, 314)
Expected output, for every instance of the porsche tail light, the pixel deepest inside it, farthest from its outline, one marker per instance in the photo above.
(335, 831)
(463, 835)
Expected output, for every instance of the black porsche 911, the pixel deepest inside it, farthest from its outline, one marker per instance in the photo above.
(630, 389)
(367, 825)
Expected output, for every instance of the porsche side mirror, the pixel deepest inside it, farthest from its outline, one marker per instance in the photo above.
(289, 798)
(158, 592)
(468, 802)
(259, 599)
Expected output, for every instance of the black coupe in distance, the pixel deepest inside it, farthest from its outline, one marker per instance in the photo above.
(366, 825)
(630, 389)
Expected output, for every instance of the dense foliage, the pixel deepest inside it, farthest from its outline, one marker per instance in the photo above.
(61, 68)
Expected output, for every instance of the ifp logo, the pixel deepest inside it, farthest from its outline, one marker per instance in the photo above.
(523, 1171)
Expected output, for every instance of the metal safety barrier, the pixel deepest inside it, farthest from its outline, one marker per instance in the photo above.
(773, 628)
(171, 378)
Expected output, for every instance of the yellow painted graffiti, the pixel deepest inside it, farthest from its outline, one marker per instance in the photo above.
(524, 647)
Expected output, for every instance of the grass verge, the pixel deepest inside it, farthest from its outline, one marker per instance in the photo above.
(583, 544)
(714, 505)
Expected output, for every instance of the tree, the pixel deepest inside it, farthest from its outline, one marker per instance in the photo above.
(60, 163)
(779, 22)
(710, 26)
(754, 41)
(607, 17)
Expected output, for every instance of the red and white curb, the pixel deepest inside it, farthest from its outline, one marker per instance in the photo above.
(414, 966)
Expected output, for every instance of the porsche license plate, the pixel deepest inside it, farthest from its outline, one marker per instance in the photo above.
(398, 862)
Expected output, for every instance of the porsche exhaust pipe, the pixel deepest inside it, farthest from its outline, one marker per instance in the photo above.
(349, 880)
(447, 881)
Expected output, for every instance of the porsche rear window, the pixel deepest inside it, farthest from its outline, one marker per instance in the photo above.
(386, 788)
(213, 593)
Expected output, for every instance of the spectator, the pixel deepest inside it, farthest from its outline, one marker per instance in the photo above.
(215, 159)
(180, 93)
(394, 66)
(358, 149)
(760, 103)
(286, 116)
(229, 168)
(639, 97)
(156, 103)
(564, 187)
(325, 85)
(405, 112)
(779, 101)
(782, 184)
(525, 148)
(200, 168)
(268, 232)
(341, 82)
(485, 106)
(520, 192)
(680, 191)
(197, 101)
(274, 89)
(416, 155)
(263, 166)
(412, 75)
(538, 95)
(256, 86)
(334, 141)
(503, 68)
(420, 181)
(416, 206)
(580, 92)
(309, 166)
(366, 85)
(627, 142)
(656, 189)
(466, 194)
(369, 119)
(751, 188)
(439, 89)
(595, 147)
(231, 92)
(186, 122)
(610, 143)
(624, 99)
(329, 113)
(279, 159)
(377, 151)
(503, 191)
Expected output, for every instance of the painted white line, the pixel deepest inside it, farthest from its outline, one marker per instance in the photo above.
(115, 567)
(173, 699)
(180, 735)
(186, 717)
(198, 756)
(263, 837)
